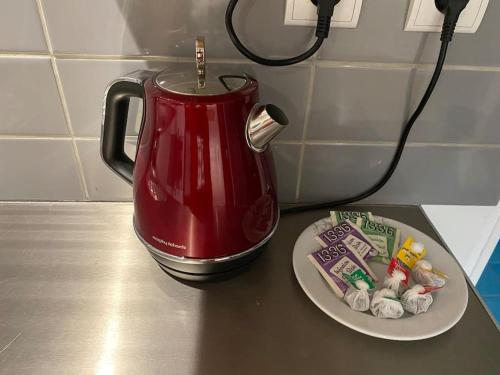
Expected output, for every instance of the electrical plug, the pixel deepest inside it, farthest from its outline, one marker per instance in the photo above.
(325, 14)
(451, 10)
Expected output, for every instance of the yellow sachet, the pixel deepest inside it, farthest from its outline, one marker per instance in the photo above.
(408, 255)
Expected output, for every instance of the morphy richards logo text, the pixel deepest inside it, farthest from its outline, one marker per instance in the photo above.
(171, 244)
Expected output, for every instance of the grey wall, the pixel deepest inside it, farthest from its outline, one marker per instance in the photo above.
(347, 105)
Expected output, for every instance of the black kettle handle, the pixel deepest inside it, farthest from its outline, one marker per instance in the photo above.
(114, 125)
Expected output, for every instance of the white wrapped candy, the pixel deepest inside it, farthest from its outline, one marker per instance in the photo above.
(386, 305)
(394, 282)
(424, 274)
(358, 297)
(415, 300)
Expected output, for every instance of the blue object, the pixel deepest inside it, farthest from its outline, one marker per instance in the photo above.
(489, 283)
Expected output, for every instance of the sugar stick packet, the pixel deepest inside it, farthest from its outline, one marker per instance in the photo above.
(384, 237)
(336, 263)
(351, 236)
(340, 216)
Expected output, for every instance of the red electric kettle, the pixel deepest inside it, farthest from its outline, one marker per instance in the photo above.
(203, 178)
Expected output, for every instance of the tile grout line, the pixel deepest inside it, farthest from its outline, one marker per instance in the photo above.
(403, 66)
(35, 137)
(286, 142)
(307, 115)
(178, 59)
(62, 97)
(222, 60)
(24, 55)
(57, 137)
(104, 57)
(408, 144)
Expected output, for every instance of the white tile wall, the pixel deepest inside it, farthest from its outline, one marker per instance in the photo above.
(346, 105)
(103, 184)
(38, 169)
(426, 174)
(29, 100)
(84, 82)
(20, 27)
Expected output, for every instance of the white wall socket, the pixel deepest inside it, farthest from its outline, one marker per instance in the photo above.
(305, 13)
(423, 16)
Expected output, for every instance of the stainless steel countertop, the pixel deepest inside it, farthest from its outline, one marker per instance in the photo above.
(80, 295)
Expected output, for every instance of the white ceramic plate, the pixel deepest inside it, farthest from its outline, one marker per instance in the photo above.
(448, 307)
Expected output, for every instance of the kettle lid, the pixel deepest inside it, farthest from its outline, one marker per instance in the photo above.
(199, 81)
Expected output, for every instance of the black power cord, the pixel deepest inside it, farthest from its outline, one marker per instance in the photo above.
(325, 13)
(399, 150)
(450, 8)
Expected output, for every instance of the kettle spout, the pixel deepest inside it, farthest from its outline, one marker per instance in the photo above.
(264, 123)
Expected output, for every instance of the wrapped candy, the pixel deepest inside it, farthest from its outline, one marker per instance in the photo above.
(357, 296)
(416, 300)
(424, 274)
(386, 305)
(394, 281)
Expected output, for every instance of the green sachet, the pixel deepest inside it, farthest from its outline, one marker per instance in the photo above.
(384, 237)
(359, 275)
(340, 216)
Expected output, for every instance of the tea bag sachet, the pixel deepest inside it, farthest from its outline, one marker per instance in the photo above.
(394, 281)
(384, 237)
(386, 305)
(336, 262)
(424, 274)
(351, 236)
(358, 294)
(353, 216)
(321, 226)
(417, 299)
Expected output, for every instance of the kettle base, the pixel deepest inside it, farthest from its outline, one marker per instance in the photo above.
(226, 272)
(205, 269)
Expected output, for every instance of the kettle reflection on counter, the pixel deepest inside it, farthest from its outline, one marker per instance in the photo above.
(205, 194)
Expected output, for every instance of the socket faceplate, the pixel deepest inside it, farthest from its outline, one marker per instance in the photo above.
(304, 13)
